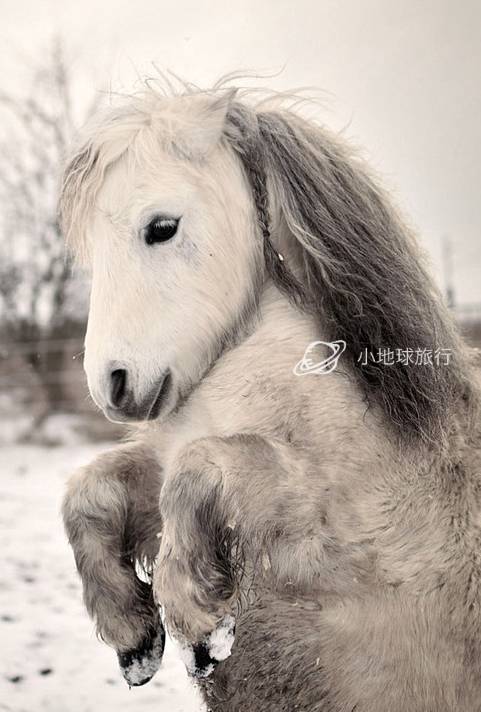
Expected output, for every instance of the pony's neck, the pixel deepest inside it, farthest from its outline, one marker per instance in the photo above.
(281, 330)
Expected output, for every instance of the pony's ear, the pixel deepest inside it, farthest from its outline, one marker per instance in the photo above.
(200, 133)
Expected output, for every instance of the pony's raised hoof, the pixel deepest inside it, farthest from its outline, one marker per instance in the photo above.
(202, 658)
(138, 666)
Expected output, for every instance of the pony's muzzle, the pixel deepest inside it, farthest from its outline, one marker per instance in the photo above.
(124, 405)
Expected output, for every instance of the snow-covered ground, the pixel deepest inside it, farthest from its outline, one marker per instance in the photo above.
(50, 658)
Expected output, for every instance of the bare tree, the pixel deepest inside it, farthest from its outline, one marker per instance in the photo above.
(38, 296)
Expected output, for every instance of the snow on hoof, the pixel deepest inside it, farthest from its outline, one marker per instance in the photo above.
(201, 659)
(140, 665)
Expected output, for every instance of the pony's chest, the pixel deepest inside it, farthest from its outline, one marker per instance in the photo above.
(221, 411)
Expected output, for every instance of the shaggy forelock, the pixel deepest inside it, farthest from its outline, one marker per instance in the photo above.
(361, 272)
(139, 129)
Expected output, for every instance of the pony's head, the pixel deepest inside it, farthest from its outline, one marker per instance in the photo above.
(172, 202)
(161, 211)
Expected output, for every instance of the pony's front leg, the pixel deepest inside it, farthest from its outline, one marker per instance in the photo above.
(112, 520)
(222, 497)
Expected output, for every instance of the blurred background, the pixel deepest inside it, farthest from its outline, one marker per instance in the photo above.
(401, 80)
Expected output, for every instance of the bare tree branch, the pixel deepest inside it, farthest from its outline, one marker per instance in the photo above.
(36, 282)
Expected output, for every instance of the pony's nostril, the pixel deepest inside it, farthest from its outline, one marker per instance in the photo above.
(118, 386)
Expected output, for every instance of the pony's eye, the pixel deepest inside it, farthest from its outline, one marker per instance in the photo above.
(160, 230)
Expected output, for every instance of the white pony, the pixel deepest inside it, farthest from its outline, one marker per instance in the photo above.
(334, 516)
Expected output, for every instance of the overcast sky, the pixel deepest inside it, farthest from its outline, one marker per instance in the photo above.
(404, 77)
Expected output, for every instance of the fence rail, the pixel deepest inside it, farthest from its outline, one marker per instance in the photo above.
(40, 346)
(45, 374)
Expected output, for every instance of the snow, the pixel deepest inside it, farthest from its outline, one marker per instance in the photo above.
(201, 660)
(16, 426)
(187, 655)
(222, 639)
(50, 658)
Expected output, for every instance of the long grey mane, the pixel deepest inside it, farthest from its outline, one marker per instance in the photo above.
(362, 273)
